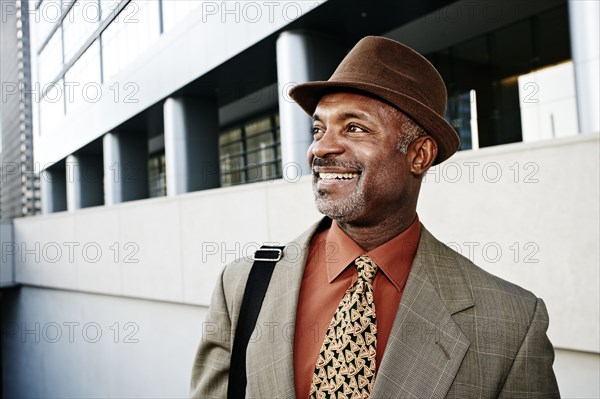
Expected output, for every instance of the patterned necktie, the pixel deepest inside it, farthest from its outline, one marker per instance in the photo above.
(346, 364)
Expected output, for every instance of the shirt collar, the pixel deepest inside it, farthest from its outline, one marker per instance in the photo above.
(393, 257)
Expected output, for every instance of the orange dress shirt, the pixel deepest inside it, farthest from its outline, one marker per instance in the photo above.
(329, 273)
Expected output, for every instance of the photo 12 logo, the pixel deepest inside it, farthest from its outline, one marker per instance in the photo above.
(255, 11)
(494, 252)
(90, 332)
(72, 92)
(70, 252)
(51, 12)
(486, 172)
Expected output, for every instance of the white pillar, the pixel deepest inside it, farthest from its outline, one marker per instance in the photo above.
(53, 190)
(73, 175)
(113, 190)
(584, 17)
(191, 145)
(125, 157)
(301, 57)
(84, 181)
(46, 191)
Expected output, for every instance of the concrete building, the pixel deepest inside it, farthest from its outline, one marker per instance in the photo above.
(168, 147)
(19, 191)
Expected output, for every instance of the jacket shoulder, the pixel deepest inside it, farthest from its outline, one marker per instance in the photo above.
(505, 324)
(235, 274)
(493, 296)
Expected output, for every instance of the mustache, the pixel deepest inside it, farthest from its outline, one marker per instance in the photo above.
(337, 163)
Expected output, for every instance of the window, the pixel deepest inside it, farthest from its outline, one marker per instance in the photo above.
(78, 26)
(47, 15)
(461, 113)
(82, 80)
(135, 28)
(157, 176)
(250, 152)
(175, 11)
(107, 7)
(50, 61)
(504, 67)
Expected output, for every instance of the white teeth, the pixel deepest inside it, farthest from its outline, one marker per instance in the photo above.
(331, 176)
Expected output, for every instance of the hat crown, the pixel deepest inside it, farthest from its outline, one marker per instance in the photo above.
(389, 64)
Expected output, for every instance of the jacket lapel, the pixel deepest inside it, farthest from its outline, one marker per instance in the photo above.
(270, 352)
(426, 346)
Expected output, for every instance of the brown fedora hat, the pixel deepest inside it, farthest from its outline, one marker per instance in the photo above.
(397, 74)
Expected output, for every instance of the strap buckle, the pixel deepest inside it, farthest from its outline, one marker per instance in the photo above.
(265, 258)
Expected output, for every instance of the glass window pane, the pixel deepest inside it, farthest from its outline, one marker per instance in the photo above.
(132, 32)
(231, 179)
(82, 80)
(229, 136)
(458, 113)
(470, 63)
(250, 155)
(232, 157)
(278, 143)
(232, 161)
(67, 3)
(110, 51)
(231, 169)
(551, 34)
(260, 148)
(175, 11)
(79, 24)
(259, 140)
(47, 15)
(258, 126)
(511, 49)
(231, 150)
(50, 61)
(157, 178)
(278, 146)
(107, 7)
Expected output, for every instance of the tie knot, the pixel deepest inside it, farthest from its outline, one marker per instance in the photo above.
(366, 268)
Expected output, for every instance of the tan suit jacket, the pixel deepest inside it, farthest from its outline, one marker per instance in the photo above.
(459, 332)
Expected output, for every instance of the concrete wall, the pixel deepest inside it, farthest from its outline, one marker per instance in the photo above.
(526, 212)
(64, 344)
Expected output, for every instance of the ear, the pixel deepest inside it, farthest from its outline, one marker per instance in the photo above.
(422, 153)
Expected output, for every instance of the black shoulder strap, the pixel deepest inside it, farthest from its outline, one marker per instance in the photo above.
(254, 294)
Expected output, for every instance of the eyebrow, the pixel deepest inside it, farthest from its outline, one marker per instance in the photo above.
(348, 115)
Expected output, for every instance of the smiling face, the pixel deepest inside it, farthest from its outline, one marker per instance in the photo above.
(359, 174)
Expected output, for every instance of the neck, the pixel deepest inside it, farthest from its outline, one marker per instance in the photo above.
(370, 237)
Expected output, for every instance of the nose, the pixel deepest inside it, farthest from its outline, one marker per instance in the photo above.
(326, 146)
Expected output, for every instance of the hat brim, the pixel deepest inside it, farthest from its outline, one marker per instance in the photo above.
(308, 95)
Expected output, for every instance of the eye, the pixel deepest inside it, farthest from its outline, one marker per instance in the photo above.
(355, 128)
(316, 130)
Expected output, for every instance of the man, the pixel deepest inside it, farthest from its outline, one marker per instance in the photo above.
(375, 306)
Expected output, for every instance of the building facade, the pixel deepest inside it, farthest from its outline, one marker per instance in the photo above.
(19, 192)
(167, 147)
